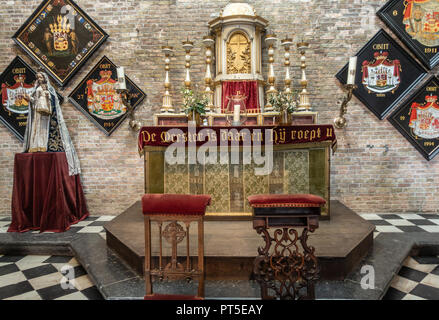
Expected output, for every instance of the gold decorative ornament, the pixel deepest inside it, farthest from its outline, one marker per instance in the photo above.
(340, 122)
(238, 54)
(126, 97)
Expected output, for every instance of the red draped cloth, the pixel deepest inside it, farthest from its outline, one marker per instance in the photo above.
(44, 196)
(246, 88)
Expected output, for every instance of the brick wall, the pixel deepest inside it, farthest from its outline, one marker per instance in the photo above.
(374, 170)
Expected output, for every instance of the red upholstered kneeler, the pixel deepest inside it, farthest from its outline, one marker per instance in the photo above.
(286, 272)
(168, 210)
(44, 196)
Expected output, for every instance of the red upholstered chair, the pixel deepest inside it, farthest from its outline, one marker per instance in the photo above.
(280, 267)
(168, 210)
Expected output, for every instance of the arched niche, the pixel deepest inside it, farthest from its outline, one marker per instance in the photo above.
(239, 53)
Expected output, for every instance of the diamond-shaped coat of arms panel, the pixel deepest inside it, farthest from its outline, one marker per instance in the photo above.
(60, 37)
(418, 119)
(416, 23)
(97, 98)
(385, 74)
(16, 81)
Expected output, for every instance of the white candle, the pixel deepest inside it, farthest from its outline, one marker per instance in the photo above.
(236, 113)
(121, 78)
(352, 70)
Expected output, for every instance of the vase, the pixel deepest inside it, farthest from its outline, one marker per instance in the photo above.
(284, 118)
(195, 118)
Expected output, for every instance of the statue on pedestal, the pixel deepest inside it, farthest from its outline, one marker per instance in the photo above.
(46, 130)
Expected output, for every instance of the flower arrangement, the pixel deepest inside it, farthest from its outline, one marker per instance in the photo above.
(283, 102)
(194, 102)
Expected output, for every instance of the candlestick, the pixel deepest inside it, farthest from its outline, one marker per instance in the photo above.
(126, 97)
(286, 43)
(270, 40)
(304, 104)
(187, 46)
(208, 42)
(352, 70)
(167, 99)
(122, 85)
(340, 122)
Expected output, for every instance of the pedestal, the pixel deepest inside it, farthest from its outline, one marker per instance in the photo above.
(44, 196)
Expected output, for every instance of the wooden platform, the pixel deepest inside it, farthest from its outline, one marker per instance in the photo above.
(231, 246)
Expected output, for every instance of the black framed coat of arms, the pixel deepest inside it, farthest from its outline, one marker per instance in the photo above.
(385, 74)
(97, 98)
(418, 119)
(60, 37)
(416, 23)
(17, 79)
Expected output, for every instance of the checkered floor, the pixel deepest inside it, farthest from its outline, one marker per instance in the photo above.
(89, 225)
(47, 277)
(40, 277)
(403, 222)
(44, 278)
(418, 279)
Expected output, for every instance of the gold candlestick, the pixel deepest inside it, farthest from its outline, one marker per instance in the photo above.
(187, 46)
(287, 43)
(304, 104)
(340, 122)
(208, 42)
(270, 39)
(167, 99)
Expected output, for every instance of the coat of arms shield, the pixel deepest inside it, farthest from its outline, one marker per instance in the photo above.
(97, 97)
(418, 119)
(416, 23)
(386, 74)
(381, 74)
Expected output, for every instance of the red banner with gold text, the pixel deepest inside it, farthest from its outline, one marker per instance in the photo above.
(158, 136)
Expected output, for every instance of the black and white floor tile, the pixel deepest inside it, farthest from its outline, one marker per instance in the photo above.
(39, 277)
(44, 278)
(406, 222)
(89, 225)
(418, 279)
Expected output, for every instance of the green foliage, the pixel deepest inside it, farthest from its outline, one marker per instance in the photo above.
(282, 101)
(194, 101)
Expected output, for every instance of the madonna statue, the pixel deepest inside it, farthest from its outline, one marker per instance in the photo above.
(46, 130)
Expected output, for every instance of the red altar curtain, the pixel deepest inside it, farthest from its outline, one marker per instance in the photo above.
(247, 88)
(44, 196)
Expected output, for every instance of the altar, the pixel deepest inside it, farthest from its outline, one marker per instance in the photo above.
(300, 164)
(238, 136)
